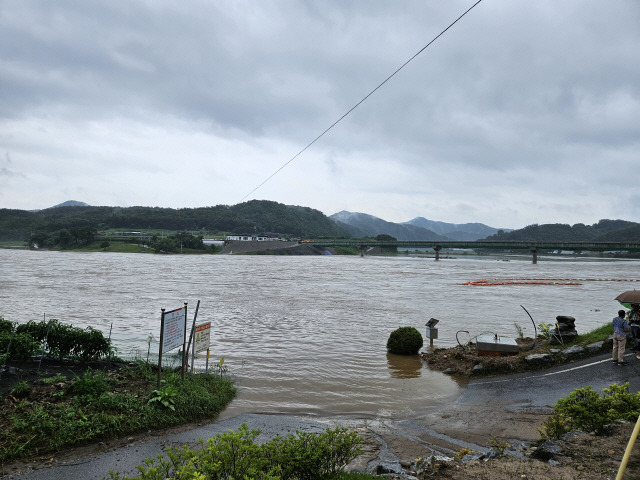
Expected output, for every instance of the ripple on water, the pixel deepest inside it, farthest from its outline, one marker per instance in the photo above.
(307, 334)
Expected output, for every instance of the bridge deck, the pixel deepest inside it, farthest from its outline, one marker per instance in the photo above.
(482, 244)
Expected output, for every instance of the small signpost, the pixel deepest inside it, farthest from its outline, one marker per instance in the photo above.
(173, 333)
(202, 340)
(203, 336)
(432, 331)
(173, 330)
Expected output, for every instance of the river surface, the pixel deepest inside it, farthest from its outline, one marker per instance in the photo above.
(307, 335)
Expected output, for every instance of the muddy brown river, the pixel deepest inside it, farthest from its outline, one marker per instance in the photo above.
(307, 335)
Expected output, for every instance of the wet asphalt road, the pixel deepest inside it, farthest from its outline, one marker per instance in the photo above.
(544, 388)
(529, 390)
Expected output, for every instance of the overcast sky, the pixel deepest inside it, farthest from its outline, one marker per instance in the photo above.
(523, 112)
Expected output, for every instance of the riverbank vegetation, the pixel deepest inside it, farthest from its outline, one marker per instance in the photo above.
(587, 410)
(80, 393)
(303, 456)
(42, 414)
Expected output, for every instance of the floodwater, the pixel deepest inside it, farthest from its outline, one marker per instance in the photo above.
(307, 335)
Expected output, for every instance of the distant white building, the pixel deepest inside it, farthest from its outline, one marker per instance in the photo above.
(213, 241)
(249, 238)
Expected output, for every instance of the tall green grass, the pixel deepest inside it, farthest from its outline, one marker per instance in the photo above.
(102, 405)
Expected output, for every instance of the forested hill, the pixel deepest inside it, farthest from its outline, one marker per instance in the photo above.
(256, 216)
(603, 231)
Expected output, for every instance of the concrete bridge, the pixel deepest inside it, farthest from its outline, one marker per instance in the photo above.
(533, 247)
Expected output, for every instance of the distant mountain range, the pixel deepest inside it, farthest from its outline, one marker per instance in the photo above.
(364, 225)
(297, 221)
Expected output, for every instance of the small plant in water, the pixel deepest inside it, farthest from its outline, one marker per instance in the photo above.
(221, 368)
(518, 330)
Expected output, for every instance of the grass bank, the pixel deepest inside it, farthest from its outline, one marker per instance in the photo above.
(43, 414)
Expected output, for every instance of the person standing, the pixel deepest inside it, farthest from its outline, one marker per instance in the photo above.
(620, 329)
(633, 319)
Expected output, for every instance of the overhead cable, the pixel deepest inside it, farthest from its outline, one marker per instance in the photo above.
(361, 101)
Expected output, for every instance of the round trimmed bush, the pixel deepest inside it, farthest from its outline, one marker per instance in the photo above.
(405, 341)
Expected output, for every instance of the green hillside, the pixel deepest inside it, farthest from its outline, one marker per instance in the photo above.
(256, 216)
(603, 231)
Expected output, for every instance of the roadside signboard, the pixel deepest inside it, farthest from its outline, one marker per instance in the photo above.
(174, 328)
(203, 335)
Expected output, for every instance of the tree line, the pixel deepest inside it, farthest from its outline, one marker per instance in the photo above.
(75, 225)
(70, 226)
(603, 231)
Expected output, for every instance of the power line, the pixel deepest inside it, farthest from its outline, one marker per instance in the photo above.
(361, 101)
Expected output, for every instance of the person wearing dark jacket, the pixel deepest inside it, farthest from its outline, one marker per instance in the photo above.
(633, 319)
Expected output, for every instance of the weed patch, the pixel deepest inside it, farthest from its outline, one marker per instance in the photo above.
(304, 456)
(47, 416)
(587, 410)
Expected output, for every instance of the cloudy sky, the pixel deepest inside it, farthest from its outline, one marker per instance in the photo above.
(523, 112)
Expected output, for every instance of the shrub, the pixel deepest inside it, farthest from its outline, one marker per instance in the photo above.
(555, 427)
(6, 326)
(23, 346)
(303, 456)
(38, 330)
(405, 341)
(587, 410)
(66, 340)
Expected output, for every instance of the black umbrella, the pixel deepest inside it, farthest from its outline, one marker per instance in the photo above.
(629, 297)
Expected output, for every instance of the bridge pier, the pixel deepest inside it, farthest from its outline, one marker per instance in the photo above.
(534, 252)
(437, 249)
(362, 249)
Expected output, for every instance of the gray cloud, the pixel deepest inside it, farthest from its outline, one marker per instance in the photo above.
(534, 107)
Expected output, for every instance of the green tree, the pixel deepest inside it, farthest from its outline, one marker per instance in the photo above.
(40, 240)
(387, 238)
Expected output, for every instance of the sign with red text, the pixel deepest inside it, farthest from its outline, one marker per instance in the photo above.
(174, 328)
(203, 336)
